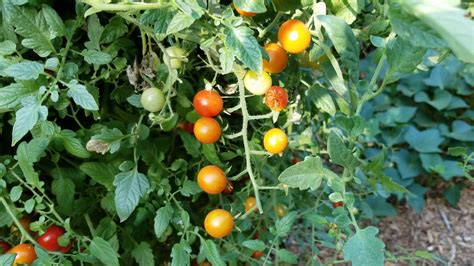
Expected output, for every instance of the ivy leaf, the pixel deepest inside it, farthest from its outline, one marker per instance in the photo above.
(143, 254)
(245, 47)
(344, 41)
(339, 153)
(28, 70)
(103, 251)
(180, 254)
(130, 186)
(32, 26)
(303, 175)
(179, 22)
(81, 96)
(162, 220)
(255, 6)
(26, 118)
(364, 248)
(424, 141)
(211, 252)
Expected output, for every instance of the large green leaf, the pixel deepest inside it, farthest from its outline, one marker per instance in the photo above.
(364, 248)
(244, 46)
(130, 187)
(103, 251)
(255, 6)
(143, 254)
(306, 174)
(339, 153)
(345, 43)
(11, 95)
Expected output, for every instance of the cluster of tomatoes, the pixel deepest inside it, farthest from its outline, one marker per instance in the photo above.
(25, 253)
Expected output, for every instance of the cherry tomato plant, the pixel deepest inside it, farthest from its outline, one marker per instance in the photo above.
(245, 132)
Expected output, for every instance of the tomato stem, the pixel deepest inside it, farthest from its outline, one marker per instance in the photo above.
(20, 227)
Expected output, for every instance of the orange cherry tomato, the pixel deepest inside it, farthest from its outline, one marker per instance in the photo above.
(278, 59)
(249, 203)
(208, 103)
(337, 204)
(275, 141)
(276, 98)
(207, 130)
(219, 223)
(294, 36)
(257, 254)
(211, 179)
(242, 12)
(25, 254)
(280, 210)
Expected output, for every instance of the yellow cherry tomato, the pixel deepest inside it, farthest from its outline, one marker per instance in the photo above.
(219, 223)
(275, 141)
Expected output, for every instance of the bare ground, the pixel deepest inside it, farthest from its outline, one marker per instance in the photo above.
(440, 228)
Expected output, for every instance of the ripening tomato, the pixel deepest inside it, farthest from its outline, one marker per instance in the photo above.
(280, 210)
(257, 254)
(257, 83)
(25, 223)
(186, 126)
(25, 254)
(49, 240)
(229, 188)
(275, 141)
(4, 247)
(176, 54)
(205, 263)
(278, 59)
(211, 179)
(219, 223)
(276, 98)
(249, 203)
(208, 103)
(337, 204)
(207, 130)
(294, 36)
(242, 12)
(152, 100)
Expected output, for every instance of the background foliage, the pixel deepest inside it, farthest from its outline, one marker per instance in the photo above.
(380, 113)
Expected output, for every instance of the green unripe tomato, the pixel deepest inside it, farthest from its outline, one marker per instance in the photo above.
(152, 99)
(175, 51)
(257, 84)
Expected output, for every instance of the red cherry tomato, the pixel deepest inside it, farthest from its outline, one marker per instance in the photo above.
(4, 247)
(49, 240)
(207, 130)
(337, 204)
(294, 36)
(186, 126)
(25, 254)
(257, 254)
(278, 59)
(242, 12)
(276, 98)
(208, 103)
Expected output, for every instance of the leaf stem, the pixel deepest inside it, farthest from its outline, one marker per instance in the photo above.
(98, 5)
(270, 26)
(24, 233)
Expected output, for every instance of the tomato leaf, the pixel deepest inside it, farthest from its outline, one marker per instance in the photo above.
(254, 245)
(344, 41)
(162, 219)
(244, 46)
(130, 187)
(103, 251)
(180, 254)
(364, 248)
(81, 96)
(27, 70)
(339, 153)
(211, 252)
(303, 175)
(255, 6)
(143, 254)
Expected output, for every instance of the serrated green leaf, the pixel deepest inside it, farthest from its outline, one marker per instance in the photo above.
(364, 248)
(103, 251)
(254, 245)
(306, 174)
(130, 187)
(115, 29)
(29, 153)
(28, 70)
(322, 99)
(344, 41)
(11, 95)
(96, 57)
(287, 256)
(143, 254)
(284, 225)
(64, 189)
(245, 47)
(162, 220)
(180, 254)
(55, 23)
(81, 96)
(102, 173)
(255, 6)
(339, 153)
(179, 22)
(211, 252)
(190, 144)
(26, 118)
(7, 47)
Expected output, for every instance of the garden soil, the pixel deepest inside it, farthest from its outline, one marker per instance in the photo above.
(440, 228)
